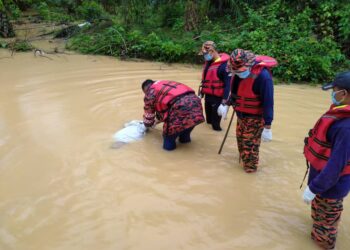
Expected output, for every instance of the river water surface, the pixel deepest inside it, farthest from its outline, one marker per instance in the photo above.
(63, 188)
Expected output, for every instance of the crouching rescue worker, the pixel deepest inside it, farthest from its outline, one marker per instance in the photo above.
(176, 105)
(252, 97)
(327, 151)
(215, 85)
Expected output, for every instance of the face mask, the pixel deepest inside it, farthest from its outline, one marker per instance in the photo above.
(243, 74)
(335, 102)
(208, 57)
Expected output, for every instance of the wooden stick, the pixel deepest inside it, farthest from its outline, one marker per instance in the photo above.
(228, 129)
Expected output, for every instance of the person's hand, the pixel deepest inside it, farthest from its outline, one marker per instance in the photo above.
(156, 122)
(222, 111)
(267, 135)
(308, 196)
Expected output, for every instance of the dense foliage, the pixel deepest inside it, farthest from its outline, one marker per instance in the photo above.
(310, 38)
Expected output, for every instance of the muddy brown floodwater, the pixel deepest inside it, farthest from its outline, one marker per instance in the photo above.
(63, 188)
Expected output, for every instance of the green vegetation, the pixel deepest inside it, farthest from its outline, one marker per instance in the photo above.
(309, 38)
(21, 46)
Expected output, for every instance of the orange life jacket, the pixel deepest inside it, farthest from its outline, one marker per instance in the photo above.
(211, 83)
(246, 100)
(317, 149)
(166, 92)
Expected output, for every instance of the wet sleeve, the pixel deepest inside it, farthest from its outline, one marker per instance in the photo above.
(265, 90)
(340, 155)
(226, 79)
(149, 109)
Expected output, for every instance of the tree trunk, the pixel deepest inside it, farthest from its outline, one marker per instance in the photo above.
(6, 29)
(191, 16)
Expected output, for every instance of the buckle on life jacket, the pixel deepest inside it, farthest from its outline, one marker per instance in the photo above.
(310, 133)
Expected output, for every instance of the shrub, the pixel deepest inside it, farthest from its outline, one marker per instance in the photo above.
(43, 10)
(91, 10)
(22, 45)
(13, 11)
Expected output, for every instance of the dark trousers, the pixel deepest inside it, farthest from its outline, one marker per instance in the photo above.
(169, 142)
(211, 114)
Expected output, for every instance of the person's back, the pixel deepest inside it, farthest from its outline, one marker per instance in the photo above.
(176, 105)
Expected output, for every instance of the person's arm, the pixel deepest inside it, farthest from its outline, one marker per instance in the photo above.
(265, 84)
(149, 114)
(340, 155)
(226, 79)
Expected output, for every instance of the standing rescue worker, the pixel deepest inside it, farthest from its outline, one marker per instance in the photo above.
(327, 151)
(215, 85)
(252, 97)
(176, 105)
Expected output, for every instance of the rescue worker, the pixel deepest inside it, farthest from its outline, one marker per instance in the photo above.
(327, 151)
(215, 84)
(252, 97)
(176, 105)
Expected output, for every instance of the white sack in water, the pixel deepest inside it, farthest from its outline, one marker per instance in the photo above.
(132, 131)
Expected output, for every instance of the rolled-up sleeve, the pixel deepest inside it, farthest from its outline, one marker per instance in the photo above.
(149, 108)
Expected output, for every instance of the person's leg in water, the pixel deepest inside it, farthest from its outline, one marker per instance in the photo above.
(248, 139)
(215, 118)
(239, 136)
(326, 214)
(169, 142)
(185, 136)
(208, 109)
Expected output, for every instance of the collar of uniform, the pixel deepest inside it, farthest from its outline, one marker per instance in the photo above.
(218, 60)
(340, 106)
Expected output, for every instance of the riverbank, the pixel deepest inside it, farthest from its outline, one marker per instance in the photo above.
(310, 40)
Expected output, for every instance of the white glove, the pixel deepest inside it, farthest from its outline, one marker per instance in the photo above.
(267, 135)
(222, 111)
(308, 196)
(141, 128)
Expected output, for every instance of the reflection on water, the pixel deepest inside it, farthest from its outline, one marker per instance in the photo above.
(63, 187)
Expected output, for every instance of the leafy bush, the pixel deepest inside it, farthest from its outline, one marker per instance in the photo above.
(44, 11)
(22, 46)
(301, 56)
(3, 44)
(15, 11)
(344, 17)
(91, 10)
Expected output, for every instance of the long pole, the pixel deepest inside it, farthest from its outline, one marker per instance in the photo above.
(228, 129)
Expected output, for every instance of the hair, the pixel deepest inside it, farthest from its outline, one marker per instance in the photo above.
(146, 83)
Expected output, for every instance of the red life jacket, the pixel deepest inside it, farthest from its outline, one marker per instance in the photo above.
(166, 92)
(211, 83)
(317, 149)
(246, 100)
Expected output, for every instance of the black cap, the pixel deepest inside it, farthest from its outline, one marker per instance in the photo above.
(342, 80)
